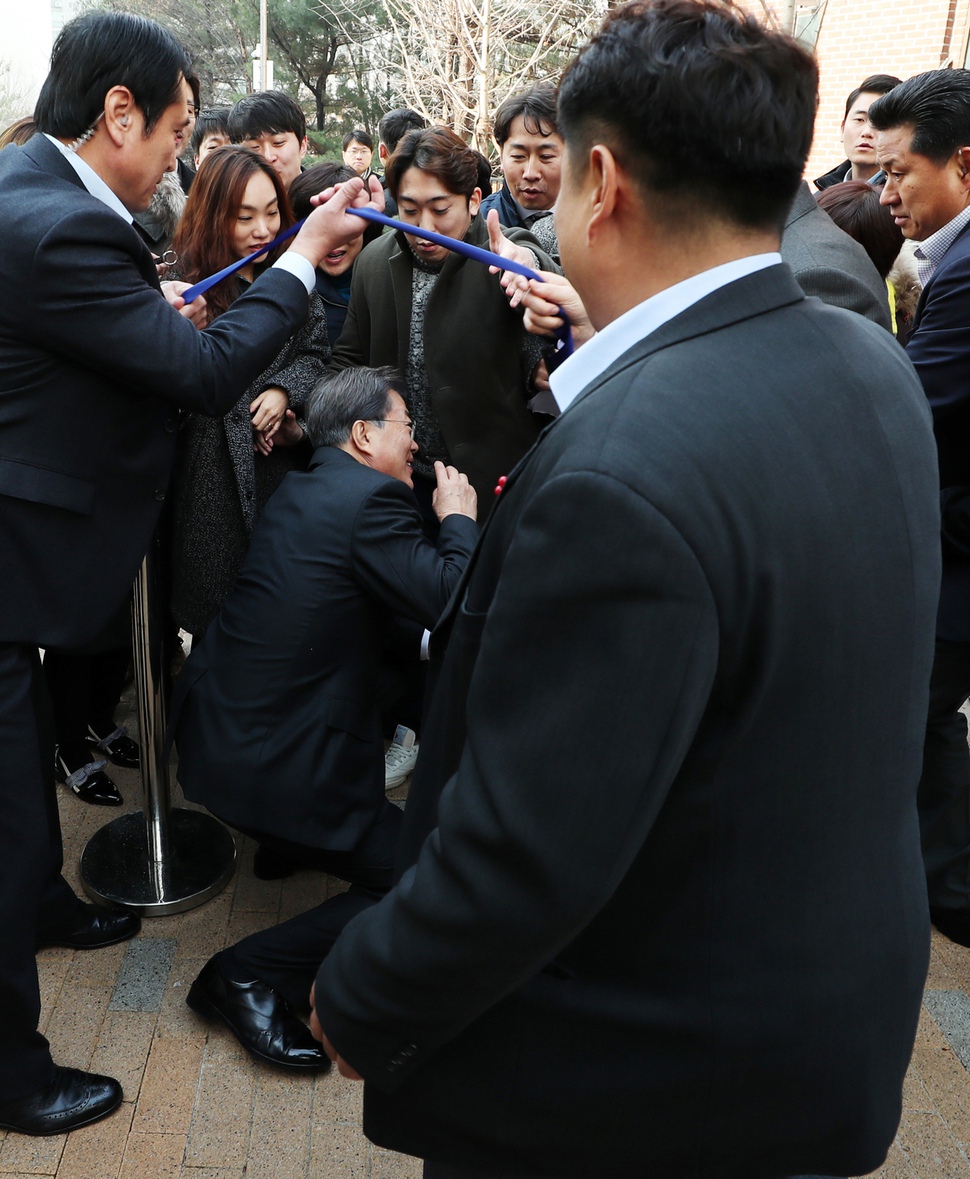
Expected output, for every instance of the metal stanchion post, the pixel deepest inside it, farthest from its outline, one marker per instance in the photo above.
(158, 860)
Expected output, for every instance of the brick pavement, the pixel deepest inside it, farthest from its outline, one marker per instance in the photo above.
(197, 1107)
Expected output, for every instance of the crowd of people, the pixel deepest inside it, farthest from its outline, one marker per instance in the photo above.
(653, 628)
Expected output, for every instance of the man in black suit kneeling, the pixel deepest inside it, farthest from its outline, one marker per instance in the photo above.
(279, 708)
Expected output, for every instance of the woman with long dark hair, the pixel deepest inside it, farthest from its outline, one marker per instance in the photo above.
(227, 468)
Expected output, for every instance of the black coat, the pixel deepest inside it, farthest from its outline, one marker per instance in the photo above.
(939, 347)
(835, 176)
(473, 352)
(276, 711)
(93, 367)
(672, 920)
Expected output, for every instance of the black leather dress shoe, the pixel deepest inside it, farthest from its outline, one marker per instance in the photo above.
(71, 1100)
(89, 782)
(91, 928)
(953, 924)
(117, 747)
(261, 1020)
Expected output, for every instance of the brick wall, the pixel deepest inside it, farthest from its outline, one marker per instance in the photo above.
(862, 37)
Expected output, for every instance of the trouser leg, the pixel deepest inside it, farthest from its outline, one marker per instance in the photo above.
(107, 683)
(944, 787)
(29, 856)
(68, 678)
(288, 956)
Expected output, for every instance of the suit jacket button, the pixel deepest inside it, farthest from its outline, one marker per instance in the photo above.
(159, 494)
(171, 425)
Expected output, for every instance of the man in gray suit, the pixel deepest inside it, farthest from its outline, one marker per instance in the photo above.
(829, 264)
(663, 910)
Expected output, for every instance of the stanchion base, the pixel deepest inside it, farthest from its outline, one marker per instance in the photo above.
(116, 869)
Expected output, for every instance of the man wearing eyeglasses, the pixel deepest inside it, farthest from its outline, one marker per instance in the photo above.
(279, 709)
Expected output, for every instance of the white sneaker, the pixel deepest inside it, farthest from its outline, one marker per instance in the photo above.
(401, 756)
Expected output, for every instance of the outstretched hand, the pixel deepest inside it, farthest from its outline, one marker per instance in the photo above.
(543, 303)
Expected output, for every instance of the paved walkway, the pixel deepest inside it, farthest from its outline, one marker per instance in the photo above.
(197, 1107)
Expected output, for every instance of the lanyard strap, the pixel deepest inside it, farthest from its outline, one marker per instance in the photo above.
(564, 336)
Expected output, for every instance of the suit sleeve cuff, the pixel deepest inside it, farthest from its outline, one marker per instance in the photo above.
(300, 268)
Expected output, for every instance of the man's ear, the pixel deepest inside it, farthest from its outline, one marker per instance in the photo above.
(963, 155)
(360, 436)
(382, 153)
(602, 186)
(304, 146)
(119, 111)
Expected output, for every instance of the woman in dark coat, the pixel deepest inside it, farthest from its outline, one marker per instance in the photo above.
(227, 468)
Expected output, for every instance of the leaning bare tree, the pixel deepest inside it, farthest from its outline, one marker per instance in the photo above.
(455, 60)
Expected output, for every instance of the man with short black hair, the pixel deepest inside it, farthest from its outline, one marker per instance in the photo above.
(357, 148)
(923, 143)
(95, 360)
(274, 126)
(211, 131)
(278, 711)
(394, 126)
(391, 130)
(858, 134)
(530, 149)
(661, 909)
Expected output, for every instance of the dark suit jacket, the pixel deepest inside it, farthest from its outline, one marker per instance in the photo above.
(830, 264)
(93, 366)
(473, 350)
(279, 729)
(939, 347)
(672, 921)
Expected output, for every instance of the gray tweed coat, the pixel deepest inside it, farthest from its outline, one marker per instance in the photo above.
(221, 485)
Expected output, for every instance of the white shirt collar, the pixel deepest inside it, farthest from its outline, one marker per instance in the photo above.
(597, 354)
(92, 181)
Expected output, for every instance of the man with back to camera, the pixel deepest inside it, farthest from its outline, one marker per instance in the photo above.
(530, 149)
(94, 364)
(692, 942)
(272, 125)
(923, 143)
(829, 264)
(858, 134)
(279, 709)
(390, 131)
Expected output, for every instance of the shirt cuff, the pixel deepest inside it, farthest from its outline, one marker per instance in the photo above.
(425, 641)
(299, 267)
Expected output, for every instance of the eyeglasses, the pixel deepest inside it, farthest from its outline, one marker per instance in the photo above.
(409, 426)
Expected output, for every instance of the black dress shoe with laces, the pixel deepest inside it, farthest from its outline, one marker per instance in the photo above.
(72, 1099)
(260, 1019)
(116, 746)
(88, 781)
(90, 928)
